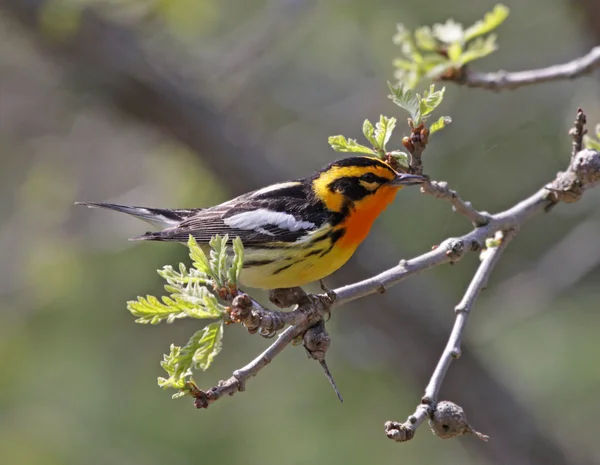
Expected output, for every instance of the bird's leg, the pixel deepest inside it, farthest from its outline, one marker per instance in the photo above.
(332, 295)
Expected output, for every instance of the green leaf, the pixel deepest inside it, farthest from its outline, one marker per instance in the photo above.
(369, 131)
(478, 48)
(151, 310)
(176, 371)
(218, 258)
(383, 131)
(490, 21)
(198, 256)
(591, 143)
(340, 144)
(425, 40)
(441, 123)
(430, 101)
(199, 352)
(233, 274)
(454, 51)
(405, 98)
(208, 345)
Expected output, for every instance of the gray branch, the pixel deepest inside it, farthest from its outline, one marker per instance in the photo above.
(440, 190)
(401, 432)
(502, 80)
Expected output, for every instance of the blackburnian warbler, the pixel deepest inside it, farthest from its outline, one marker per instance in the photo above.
(293, 232)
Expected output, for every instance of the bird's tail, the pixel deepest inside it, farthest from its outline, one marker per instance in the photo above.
(158, 217)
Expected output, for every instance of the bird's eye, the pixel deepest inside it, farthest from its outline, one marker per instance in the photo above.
(368, 177)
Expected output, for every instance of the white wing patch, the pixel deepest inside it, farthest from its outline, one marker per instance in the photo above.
(275, 187)
(257, 219)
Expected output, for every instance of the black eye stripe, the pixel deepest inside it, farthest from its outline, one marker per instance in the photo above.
(347, 181)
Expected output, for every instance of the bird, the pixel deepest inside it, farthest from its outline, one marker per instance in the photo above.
(294, 232)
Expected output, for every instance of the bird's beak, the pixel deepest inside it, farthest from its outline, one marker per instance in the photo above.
(404, 179)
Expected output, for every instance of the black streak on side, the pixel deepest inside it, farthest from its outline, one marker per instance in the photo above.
(251, 263)
(334, 236)
(283, 268)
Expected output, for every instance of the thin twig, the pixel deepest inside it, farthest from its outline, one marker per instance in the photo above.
(401, 432)
(452, 350)
(440, 190)
(237, 382)
(502, 80)
(577, 132)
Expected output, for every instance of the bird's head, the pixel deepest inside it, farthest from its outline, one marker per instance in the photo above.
(355, 181)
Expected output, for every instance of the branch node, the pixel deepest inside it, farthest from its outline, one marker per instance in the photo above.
(455, 249)
(577, 132)
(399, 432)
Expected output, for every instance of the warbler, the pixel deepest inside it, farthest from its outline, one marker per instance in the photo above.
(293, 232)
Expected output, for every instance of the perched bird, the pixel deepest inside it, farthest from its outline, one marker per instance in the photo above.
(294, 232)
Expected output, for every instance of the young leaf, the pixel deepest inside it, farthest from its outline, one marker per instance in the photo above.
(199, 352)
(591, 143)
(441, 123)
(425, 40)
(340, 144)
(369, 131)
(454, 51)
(233, 274)
(208, 345)
(151, 310)
(405, 98)
(430, 101)
(490, 21)
(479, 48)
(177, 374)
(218, 258)
(198, 256)
(383, 131)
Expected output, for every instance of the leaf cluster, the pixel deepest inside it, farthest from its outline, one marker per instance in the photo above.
(194, 293)
(419, 108)
(442, 50)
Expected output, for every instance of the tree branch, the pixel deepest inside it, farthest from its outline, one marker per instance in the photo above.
(440, 190)
(502, 80)
(401, 432)
(583, 172)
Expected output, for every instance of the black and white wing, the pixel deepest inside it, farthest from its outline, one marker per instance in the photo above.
(280, 213)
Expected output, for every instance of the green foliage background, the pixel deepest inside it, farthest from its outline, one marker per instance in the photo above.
(79, 377)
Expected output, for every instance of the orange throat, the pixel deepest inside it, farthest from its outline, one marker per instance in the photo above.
(364, 214)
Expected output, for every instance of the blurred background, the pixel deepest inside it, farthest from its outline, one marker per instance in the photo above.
(186, 103)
